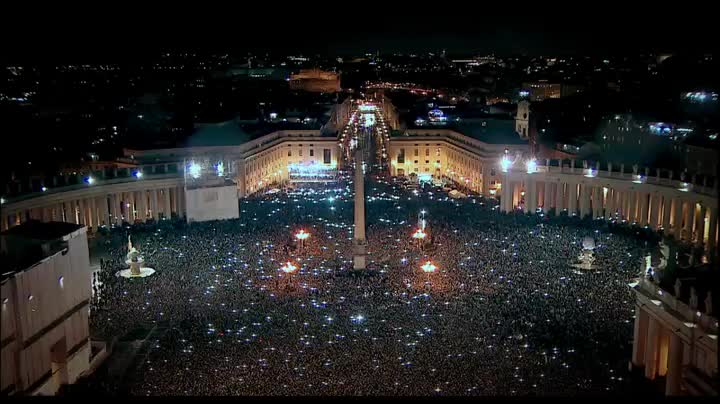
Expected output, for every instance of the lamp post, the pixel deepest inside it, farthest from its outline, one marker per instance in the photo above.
(302, 235)
(428, 268)
(419, 235)
(289, 269)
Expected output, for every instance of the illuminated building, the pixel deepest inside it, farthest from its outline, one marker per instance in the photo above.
(685, 209)
(46, 290)
(675, 338)
(315, 80)
(542, 90)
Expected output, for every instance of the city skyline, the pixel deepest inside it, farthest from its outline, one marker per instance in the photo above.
(500, 33)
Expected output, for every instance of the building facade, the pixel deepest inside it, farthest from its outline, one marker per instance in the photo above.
(675, 340)
(45, 307)
(682, 208)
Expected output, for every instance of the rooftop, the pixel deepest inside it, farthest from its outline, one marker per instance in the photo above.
(35, 230)
(25, 245)
(489, 130)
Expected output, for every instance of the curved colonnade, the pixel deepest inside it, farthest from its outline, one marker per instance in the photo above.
(160, 191)
(686, 211)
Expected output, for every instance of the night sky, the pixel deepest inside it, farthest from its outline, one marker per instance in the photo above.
(135, 33)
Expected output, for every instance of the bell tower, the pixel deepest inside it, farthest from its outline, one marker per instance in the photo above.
(522, 119)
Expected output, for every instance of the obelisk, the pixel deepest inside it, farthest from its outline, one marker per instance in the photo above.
(359, 241)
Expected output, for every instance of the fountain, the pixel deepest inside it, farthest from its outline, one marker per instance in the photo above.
(586, 259)
(135, 261)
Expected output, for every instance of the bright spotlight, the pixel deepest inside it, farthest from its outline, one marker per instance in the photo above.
(428, 267)
(194, 169)
(505, 164)
(90, 180)
(138, 174)
(288, 267)
(531, 166)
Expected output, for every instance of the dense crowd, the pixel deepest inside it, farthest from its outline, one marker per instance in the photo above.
(505, 313)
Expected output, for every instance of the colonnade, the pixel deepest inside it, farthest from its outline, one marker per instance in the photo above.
(98, 208)
(671, 338)
(686, 216)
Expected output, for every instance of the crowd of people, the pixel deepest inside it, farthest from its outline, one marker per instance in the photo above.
(504, 313)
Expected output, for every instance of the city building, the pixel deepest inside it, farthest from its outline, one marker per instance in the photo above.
(46, 290)
(315, 80)
(542, 90)
(468, 158)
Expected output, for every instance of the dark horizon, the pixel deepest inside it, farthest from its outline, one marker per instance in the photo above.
(115, 39)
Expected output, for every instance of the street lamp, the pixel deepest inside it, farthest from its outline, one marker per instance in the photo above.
(288, 268)
(419, 235)
(428, 267)
(302, 235)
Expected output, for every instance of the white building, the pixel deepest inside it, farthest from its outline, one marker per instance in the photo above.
(46, 290)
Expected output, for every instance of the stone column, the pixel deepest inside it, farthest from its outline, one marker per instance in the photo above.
(643, 205)
(674, 371)
(154, 205)
(712, 230)
(610, 204)
(572, 198)
(700, 226)
(651, 349)
(118, 209)
(93, 213)
(689, 216)
(181, 201)
(677, 210)
(597, 202)
(359, 242)
(174, 195)
(507, 194)
(654, 210)
(547, 197)
(516, 195)
(639, 337)
(166, 203)
(145, 205)
(666, 211)
(531, 195)
(632, 207)
(102, 210)
(82, 214)
(5, 224)
(69, 211)
(559, 200)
